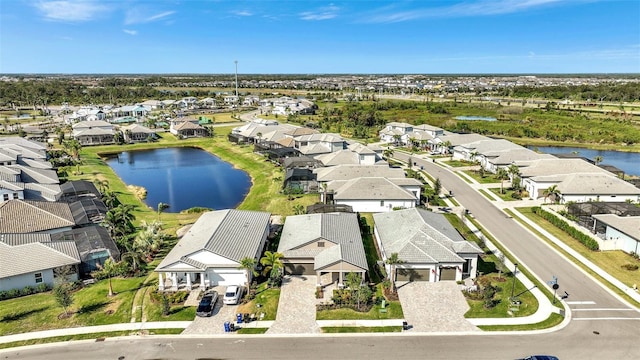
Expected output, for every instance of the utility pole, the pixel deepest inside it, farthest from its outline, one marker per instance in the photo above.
(515, 271)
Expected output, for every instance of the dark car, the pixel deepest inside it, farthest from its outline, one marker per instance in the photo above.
(208, 301)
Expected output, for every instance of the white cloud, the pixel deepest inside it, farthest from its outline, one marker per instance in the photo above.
(71, 10)
(463, 9)
(323, 13)
(130, 32)
(141, 16)
(242, 13)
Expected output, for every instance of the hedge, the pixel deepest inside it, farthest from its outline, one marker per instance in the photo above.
(27, 290)
(586, 240)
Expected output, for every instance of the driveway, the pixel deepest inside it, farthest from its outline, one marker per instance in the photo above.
(215, 323)
(296, 307)
(434, 306)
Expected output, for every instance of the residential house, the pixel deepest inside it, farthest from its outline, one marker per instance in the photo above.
(316, 144)
(428, 246)
(302, 179)
(94, 132)
(136, 111)
(94, 246)
(187, 128)
(35, 217)
(374, 194)
(618, 232)
(317, 244)
(396, 132)
(348, 172)
(209, 254)
(33, 263)
(137, 133)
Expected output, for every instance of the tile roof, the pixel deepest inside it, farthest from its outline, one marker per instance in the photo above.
(629, 225)
(348, 172)
(26, 216)
(420, 236)
(341, 229)
(596, 184)
(36, 256)
(232, 234)
(369, 188)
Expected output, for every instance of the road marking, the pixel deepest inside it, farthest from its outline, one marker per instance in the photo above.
(580, 302)
(608, 318)
(616, 309)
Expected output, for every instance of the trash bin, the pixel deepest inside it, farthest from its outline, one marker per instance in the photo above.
(247, 318)
(405, 325)
(239, 318)
(227, 326)
(232, 327)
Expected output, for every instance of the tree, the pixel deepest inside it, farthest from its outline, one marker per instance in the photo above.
(354, 281)
(161, 207)
(393, 260)
(102, 185)
(446, 145)
(388, 153)
(109, 269)
(502, 175)
(62, 289)
(73, 147)
(514, 171)
(553, 193)
(272, 262)
(248, 264)
(598, 159)
(437, 187)
(298, 209)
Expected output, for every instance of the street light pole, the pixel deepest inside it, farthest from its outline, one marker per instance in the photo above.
(513, 288)
(236, 62)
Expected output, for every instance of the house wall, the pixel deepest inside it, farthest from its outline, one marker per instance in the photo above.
(473, 268)
(595, 197)
(209, 258)
(367, 159)
(342, 266)
(616, 240)
(10, 195)
(375, 205)
(29, 279)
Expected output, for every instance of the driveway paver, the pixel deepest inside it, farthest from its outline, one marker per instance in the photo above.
(434, 306)
(215, 323)
(296, 307)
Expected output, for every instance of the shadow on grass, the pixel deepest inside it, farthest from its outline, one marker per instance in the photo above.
(486, 267)
(21, 315)
(89, 308)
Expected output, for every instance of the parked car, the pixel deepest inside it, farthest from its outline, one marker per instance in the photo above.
(207, 303)
(232, 295)
(541, 357)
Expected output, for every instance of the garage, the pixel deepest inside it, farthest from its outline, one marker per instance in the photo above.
(299, 269)
(448, 273)
(412, 274)
(225, 277)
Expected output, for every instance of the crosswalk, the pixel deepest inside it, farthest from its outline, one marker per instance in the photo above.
(588, 310)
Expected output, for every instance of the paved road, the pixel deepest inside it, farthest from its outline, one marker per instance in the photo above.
(588, 299)
(615, 340)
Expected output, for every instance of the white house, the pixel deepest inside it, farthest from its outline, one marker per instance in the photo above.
(374, 194)
(430, 248)
(209, 254)
(396, 132)
(620, 232)
(315, 144)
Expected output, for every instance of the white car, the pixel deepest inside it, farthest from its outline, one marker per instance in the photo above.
(232, 295)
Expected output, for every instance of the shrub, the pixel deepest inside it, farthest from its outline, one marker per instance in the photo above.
(586, 240)
(28, 290)
(630, 267)
(42, 287)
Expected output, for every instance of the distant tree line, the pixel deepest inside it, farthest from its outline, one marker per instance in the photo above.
(608, 92)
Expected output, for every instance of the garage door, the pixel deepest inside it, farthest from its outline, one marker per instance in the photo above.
(226, 277)
(298, 269)
(447, 274)
(412, 274)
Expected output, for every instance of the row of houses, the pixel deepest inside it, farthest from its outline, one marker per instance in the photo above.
(328, 245)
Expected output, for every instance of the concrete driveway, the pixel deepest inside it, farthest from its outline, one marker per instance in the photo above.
(296, 307)
(434, 307)
(215, 323)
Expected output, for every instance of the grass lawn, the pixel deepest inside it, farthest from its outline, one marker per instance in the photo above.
(553, 320)
(267, 299)
(488, 178)
(250, 331)
(506, 196)
(91, 307)
(219, 118)
(458, 163)
(371, 251)
(610, 261)
(486, 194)
(361, 329)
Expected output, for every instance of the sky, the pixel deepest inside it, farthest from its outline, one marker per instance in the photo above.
(319, 37)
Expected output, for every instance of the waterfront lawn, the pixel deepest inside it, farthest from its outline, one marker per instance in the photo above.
(91, 306)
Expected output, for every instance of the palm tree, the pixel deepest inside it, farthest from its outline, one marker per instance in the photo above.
(598, 159)
(298, 209)
(446, 145)
(102, 184)
(552, 192)
(109, 269)
(74, 147)
(393, 260)
(502, 175)
(388, 153)
(249, 266)
(272, 262)
(161, 207)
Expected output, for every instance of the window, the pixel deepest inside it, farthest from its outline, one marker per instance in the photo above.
(320, 243)
(15, 195)
(381, 202)
(38, 277)
(5, 197)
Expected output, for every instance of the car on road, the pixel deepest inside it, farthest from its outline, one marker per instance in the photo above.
(540, 357)
(207, 303)
(232, 295)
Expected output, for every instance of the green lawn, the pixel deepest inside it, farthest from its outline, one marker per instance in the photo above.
(553, 320)
(370, 250)
(486, 194)
(92, 306)
(250, 331)
(506, 196)
(266, 302)
(394, 311)
(488, 178)
(458, 163)
(361, 329)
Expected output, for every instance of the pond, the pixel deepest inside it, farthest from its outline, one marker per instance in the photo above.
(476, 118)
(625, 161)
(183, 178)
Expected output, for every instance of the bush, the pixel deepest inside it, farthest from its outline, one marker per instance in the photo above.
(586, 240)
(28, 290)
(630, 267)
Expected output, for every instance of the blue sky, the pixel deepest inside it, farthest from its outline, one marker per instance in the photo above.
(430, 37)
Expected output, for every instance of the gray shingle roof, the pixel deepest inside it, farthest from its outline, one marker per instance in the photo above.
(25, 216)
(420, 236)
(27, 258)
(341, 229)
(232, 234)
